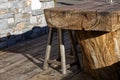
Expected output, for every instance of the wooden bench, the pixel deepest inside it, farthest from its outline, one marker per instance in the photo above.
(97, 26)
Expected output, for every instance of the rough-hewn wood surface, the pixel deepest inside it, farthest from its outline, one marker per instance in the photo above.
(99, 16)
(101, 53)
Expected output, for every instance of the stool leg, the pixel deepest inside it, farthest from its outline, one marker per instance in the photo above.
(48, 49)
(74, 48)
(59, 56)
(62, 52)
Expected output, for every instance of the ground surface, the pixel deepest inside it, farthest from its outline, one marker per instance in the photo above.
(24, 61)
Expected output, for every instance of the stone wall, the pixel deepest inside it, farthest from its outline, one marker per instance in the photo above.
(18, 20)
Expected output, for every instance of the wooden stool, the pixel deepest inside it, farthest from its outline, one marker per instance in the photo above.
(62, 50)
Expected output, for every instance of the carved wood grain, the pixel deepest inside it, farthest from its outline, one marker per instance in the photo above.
(89, 16)
(101, 53)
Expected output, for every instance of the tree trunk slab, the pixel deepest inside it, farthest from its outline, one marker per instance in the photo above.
(91, 16)
(101, 53)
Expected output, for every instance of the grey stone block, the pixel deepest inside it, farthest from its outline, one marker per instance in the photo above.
(33, 19)
(5, 5)
(3, 24)
(18, 18)
(37, 12)
(8, 15)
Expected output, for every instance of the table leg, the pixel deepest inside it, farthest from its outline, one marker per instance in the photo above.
(74, 48)
(48, 49)
(62, 51)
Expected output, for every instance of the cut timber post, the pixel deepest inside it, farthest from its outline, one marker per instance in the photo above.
(101, 53)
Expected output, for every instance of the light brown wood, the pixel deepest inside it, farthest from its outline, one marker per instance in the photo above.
(101, 53)
(92, 16)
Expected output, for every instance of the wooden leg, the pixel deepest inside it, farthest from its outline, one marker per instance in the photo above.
(62, 52)
(59, 56)
(48, 49)
(74, 48)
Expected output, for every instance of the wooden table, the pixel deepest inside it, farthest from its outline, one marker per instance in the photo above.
(97, 26)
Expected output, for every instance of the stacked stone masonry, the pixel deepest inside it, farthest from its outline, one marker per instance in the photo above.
(17, 17)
